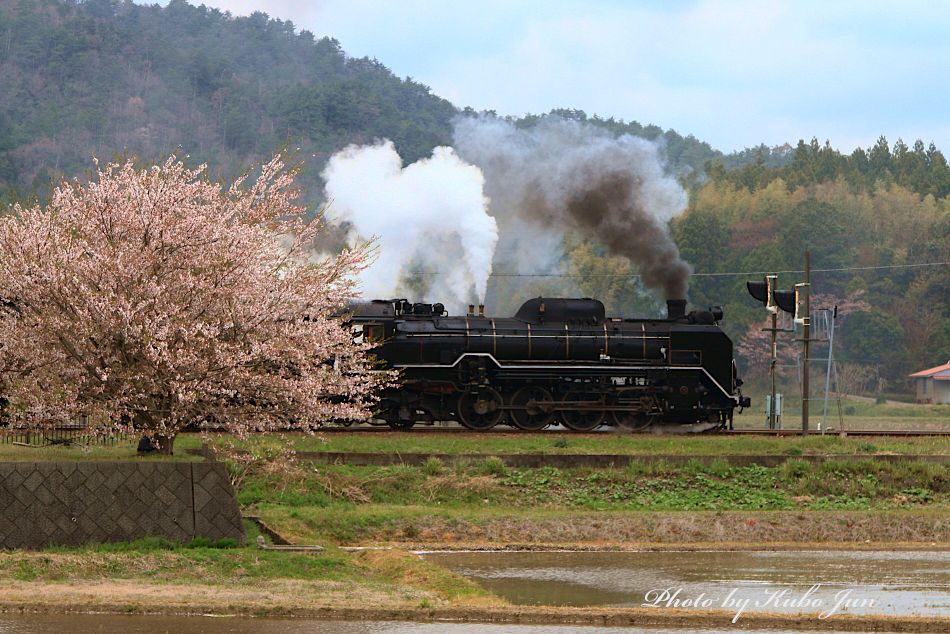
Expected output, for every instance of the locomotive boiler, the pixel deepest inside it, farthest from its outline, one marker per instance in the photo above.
(557, 361)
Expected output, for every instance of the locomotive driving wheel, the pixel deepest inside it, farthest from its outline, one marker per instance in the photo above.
(531, 409)
(647, 413)
(401, 417)
(404, 413)
(633, 421)
(587, 417)
(480, 409)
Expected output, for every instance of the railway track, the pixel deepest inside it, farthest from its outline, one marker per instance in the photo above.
(833, 432)
(609, 430)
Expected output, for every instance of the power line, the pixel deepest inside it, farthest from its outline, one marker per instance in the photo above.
(729, 274)
(847, 268)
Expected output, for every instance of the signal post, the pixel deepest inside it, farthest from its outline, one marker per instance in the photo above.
(796, 302)
(765, 292)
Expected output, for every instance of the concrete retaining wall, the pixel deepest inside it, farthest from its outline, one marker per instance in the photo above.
(74, 503)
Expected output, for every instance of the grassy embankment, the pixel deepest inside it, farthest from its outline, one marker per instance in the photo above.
(852, 500)
(153, 575)
(599, 443)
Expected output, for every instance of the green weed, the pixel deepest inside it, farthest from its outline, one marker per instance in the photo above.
(433, 466)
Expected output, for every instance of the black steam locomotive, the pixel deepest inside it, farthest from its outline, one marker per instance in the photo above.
(556, 361)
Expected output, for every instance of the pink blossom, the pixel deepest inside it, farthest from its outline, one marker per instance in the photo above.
(155, 299)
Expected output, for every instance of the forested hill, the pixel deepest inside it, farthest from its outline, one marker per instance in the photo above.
(877, 224)
(104, 77)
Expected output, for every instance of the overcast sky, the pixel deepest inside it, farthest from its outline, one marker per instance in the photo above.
(733, 73)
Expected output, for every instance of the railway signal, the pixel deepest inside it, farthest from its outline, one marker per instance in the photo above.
(792, 302)
(787, 301)
(759, 290)
(796, 302)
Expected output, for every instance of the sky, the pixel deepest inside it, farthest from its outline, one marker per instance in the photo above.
(735, 73)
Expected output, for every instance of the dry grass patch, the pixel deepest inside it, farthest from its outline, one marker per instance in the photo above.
(411, 570)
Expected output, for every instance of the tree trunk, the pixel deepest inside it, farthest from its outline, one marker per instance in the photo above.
(165, 444)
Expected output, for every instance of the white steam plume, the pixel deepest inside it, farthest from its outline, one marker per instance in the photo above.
(435, 237)
(565, 175)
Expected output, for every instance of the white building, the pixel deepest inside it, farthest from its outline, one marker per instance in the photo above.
(933, 385)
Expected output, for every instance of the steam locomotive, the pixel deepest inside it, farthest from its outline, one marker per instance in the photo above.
(556, 361)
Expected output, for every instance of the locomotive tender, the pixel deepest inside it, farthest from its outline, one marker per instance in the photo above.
(556, 361)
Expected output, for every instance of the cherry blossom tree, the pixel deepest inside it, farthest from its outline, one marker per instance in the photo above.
(150, 300)
(755, 346)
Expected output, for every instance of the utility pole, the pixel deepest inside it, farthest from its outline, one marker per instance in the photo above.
(806, 322)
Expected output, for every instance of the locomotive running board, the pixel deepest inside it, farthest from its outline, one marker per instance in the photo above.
(572, 367)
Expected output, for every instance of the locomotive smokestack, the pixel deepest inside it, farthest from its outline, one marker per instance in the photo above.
(481, 310)
(675, 308)
(471, 310)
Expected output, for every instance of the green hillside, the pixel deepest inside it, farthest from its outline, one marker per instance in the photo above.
(103, 77)
(106, 78)
(873, 216)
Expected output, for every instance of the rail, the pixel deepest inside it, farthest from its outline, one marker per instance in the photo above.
(613, 430)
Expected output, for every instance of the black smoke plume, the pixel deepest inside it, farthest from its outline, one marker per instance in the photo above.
(565, 175)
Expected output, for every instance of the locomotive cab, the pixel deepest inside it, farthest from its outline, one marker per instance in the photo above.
(369, 332)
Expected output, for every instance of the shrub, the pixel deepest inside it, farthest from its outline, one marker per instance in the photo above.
(433, 466)
(493, 466)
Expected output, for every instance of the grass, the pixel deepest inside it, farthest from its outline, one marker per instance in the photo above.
(439, 501)
(434, 502)
(856, 414)
(599, 443)
(846, 484)
(179, 565)
(390, 576)
(903, 410)
(495, 527)
(161, 560)
(121, 450)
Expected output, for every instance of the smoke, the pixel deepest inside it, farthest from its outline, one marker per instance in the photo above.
(565, 175)
(434, 235)
(437, 232)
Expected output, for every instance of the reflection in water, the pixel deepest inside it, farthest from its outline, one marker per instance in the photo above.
(897, 582)
(113, 624)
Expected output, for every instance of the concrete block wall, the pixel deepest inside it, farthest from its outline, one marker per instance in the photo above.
(74, 503)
